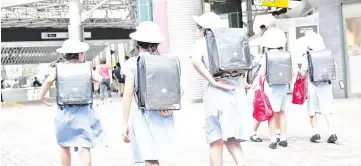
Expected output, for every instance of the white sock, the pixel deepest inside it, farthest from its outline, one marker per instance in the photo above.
(254, 133)
(278, 131)
(283, 137)
(315, 131)
(273, 139)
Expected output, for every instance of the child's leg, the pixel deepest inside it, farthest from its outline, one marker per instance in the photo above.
(235, 149)
(278, 129)
(152, 163)
(215, 153)
(330, 123)
(254, 136)
(313, 120)
(283, 124)
(85, 156)
(315, 133)
(272, 131)
(65, 156)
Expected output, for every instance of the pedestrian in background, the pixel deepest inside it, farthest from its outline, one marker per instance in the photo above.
(105, 72)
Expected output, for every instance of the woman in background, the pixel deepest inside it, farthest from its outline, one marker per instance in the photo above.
(105, 72)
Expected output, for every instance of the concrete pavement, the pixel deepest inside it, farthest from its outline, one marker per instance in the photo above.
(27, 138)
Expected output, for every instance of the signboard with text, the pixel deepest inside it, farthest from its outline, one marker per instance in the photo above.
(301, 30)
(272, 3)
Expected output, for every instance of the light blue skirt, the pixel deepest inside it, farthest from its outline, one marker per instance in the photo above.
(78, 126)
(227, 113)
(152, 135)
(320, 98)
(277, 97)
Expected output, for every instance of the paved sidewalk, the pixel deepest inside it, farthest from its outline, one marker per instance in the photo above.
(27, 138)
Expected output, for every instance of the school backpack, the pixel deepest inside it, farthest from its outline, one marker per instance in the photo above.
(74, 83)
(321, 66)
(158, 82)
(279, 67)
(228, 51)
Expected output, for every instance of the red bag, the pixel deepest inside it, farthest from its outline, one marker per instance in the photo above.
(262, 109)
(299, 94)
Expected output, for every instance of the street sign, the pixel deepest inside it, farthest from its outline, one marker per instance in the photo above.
(272, 3)
(301, 30)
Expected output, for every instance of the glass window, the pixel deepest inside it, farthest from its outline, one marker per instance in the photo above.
(353, 36)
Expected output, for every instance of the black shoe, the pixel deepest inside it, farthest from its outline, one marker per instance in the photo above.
(273, 145)
(332, 139)
(256, 139)
(278, 140)
(283, 143)
(315, 138)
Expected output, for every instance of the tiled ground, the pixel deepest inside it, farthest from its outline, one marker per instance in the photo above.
(27, 138)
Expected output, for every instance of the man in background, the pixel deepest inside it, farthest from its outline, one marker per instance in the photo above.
(36, 82)
(120, 78)
(263, 28)
(276, 14)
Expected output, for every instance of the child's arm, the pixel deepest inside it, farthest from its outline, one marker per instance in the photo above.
(96, 77)
(47, 84)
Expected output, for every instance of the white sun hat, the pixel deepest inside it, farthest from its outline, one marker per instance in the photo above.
(208, 20)
(274, 38)
(315, 41)
(73, 46)
(149, 32)
(301, 48)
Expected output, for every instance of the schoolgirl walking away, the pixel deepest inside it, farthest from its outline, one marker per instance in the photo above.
(76, 122)
(222, 124)
(274, 39)
(150, 133)
(250, 95)
(320, 97)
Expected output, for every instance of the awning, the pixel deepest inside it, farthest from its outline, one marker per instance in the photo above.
(36, 55)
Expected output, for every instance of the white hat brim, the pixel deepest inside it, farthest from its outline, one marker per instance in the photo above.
(197, 20)
(206, 24)
(144, 38)
(81, 47)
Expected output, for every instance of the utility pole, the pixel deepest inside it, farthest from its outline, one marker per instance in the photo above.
(249, 18)
(75, 28)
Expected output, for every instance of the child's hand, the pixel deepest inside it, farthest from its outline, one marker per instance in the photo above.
(165, 112)
(126, 133)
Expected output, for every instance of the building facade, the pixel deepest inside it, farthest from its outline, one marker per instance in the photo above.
(339, 24)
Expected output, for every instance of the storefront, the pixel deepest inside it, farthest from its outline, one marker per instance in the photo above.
(351, 17)
(339, 23)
